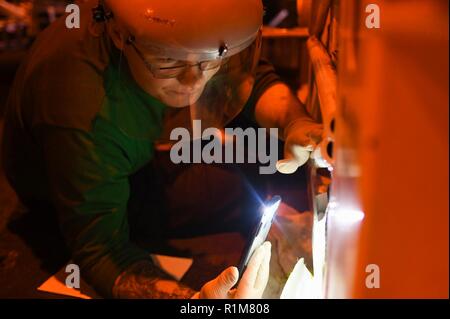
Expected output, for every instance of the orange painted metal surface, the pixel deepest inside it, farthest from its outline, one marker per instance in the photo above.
(392, 152)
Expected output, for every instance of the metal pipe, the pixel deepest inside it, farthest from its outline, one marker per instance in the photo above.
(326, 81)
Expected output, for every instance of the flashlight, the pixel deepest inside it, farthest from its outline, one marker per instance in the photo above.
(267, 212)
(270, 207)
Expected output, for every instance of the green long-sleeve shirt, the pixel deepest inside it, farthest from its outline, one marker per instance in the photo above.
(77, 126)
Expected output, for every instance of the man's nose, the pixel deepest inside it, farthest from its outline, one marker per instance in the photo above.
(191, 75)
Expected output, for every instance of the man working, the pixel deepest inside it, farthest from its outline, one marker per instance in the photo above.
(90, 106)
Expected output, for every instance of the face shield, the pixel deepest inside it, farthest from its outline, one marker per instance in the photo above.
(226, 93)
(199, 54)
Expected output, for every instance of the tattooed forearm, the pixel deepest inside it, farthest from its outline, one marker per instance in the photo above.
(145, 280)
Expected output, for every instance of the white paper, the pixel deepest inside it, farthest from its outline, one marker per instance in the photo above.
(174, 266)
(300, 284)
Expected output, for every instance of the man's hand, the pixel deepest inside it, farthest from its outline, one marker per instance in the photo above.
(254, 280)
(278, 107)
(301, 137)
(252, 283)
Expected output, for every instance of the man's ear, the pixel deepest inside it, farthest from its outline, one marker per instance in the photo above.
(116, 34)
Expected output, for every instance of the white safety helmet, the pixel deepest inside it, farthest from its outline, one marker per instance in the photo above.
(208, 34)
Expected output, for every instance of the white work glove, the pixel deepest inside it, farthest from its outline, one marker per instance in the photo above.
(251, 285)
(301, 137)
